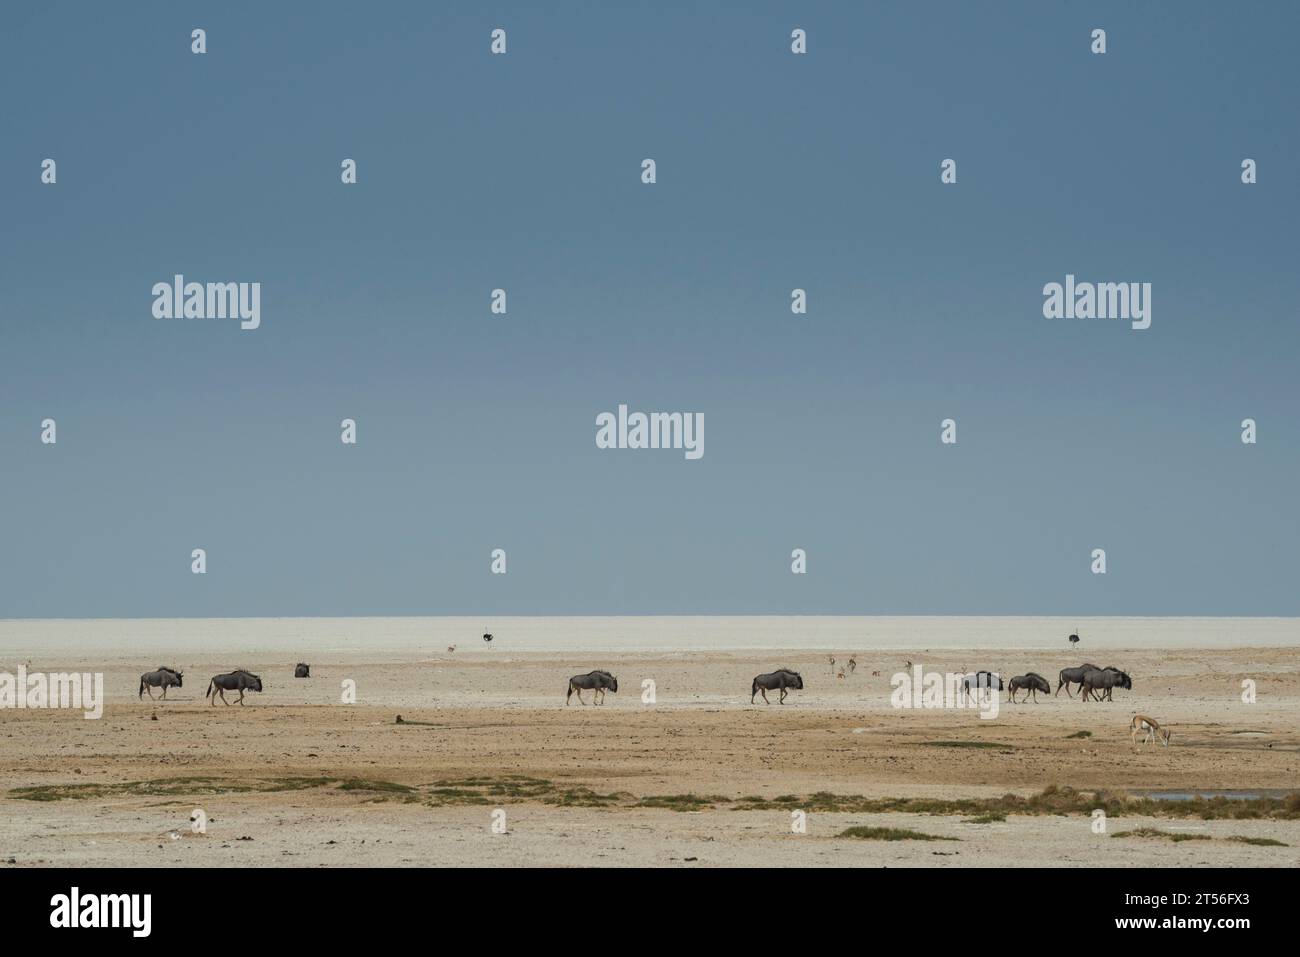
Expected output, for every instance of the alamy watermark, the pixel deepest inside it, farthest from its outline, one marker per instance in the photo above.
(655, 430)
(941, 690)
(1129, 301)
(40, 690)
(179, 299)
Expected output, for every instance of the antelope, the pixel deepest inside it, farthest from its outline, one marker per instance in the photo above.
(853, 665)
(1149, 727)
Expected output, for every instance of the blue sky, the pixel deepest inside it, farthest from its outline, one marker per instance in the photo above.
(522, 171)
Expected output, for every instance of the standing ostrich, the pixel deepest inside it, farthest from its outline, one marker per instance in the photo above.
(1074, 637)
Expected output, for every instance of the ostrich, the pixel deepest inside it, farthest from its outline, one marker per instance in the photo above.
(1074, 637)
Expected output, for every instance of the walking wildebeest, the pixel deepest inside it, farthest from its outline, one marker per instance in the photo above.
(1070, 676)
(782, 679)
(163, 678)
(597, 682)
(1031, 684)
(980, 680)
(237, 680)
(302, 670)
(1103, 680)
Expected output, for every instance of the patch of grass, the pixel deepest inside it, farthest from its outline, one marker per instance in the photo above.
(965, 744)
(192, 786)
(1051, 800)
(361, 784)
(864, 833)
(1167, 835)
(1257, 841)
(682, 802)
(1079, 734)
(992, 817)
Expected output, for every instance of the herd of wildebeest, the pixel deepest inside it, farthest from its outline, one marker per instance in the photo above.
(1094, 683)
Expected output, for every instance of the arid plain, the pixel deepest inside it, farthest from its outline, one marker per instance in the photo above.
(699, 777)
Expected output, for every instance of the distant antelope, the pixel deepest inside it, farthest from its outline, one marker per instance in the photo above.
(1149, 727)
(451, 648)
(841, 673)
(853, 665)
(832, 662)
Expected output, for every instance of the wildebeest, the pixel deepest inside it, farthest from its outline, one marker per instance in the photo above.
(237, 680)
(163, 678)
(302, 670)
(980, 680)
(597, 682)
(1103, 680)
(1031, 683)
(1070, 676)
(782, 679)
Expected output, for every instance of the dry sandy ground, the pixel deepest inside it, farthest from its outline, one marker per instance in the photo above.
(490, 715)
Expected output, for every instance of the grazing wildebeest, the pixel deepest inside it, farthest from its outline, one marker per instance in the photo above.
(1103, 680)
(237, 680)
(302, 670)
(782, 679)
(163, 678)
(597, 682)
(1032, 683)
(980, 680)
(1150, 728)
(1070, 676)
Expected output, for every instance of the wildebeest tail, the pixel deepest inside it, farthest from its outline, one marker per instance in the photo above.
(141, 694)
(211, 682)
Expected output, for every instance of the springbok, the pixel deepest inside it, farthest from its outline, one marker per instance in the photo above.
(1149, 727)
(853, 665)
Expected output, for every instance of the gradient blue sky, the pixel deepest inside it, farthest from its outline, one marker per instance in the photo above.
(522, 171)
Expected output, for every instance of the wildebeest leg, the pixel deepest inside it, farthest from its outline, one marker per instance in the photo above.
(223, 697)
(578, 692)
(149, 692)
(763, 692)
(241, 696)
(781, 700)
(165, 687)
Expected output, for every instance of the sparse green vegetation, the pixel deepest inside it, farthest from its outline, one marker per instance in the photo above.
(1079, 734)
(1257, 841)
(1167, 835)
(682, 802)
(891, 834)
(521, 788)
